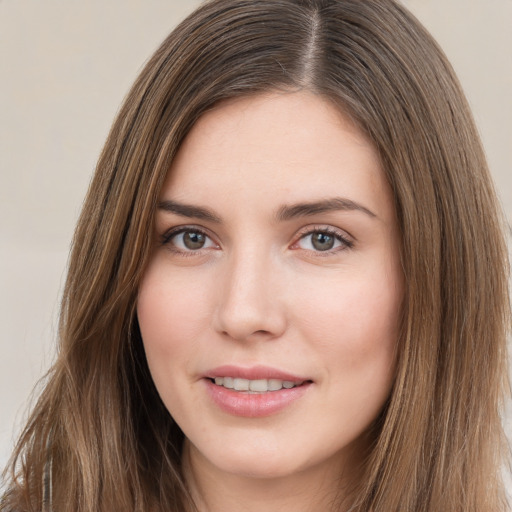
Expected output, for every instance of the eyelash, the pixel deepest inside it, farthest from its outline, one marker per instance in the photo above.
(169, 235)
(345, 242)
(338, 235)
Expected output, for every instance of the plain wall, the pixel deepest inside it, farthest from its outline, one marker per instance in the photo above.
(65, 67)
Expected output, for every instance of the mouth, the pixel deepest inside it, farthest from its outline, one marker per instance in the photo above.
(254, 391)
(255, 386)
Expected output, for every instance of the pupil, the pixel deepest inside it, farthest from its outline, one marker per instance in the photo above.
(322, 241)
(193, 240)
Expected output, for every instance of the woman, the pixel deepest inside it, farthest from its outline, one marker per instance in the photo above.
(288, 285)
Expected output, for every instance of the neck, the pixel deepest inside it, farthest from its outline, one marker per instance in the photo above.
(323, 487)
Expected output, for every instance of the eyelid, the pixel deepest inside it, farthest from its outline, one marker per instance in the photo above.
(168, 235)
(341, 235)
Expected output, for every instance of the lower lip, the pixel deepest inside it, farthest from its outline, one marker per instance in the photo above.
(253, 405)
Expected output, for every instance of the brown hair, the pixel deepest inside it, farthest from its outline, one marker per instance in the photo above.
(439, 443)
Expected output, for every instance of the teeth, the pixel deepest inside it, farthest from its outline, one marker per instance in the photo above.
(255, 386)
(241, 385)
(258, 385)
(274, 384)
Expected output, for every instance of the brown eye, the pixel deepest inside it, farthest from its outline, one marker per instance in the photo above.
(188, 240)
(194, 240)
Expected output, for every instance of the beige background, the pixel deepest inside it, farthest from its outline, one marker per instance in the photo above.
(65, 67)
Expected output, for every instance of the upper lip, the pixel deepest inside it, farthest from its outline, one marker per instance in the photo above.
(253, 373)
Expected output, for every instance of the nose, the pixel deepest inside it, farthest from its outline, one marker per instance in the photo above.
(250, 305)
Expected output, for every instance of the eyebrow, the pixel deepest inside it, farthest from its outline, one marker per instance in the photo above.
(284, 213)
(327, 205)
(188, 210)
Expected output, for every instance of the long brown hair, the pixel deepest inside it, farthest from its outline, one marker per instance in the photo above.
(100, 439)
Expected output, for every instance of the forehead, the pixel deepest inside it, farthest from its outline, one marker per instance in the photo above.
(286, 146)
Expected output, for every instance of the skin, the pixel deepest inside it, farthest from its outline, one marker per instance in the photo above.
(260, 292)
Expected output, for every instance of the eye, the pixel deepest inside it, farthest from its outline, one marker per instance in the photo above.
(188, 240)
(323, 240)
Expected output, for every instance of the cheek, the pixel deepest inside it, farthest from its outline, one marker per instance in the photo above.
(350, 325)
(353, 322)
(357, 308)
(171, 312)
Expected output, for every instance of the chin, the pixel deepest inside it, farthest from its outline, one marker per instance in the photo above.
(252, 461)
(265, 461)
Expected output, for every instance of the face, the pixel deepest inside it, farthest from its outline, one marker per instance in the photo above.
(270, 306)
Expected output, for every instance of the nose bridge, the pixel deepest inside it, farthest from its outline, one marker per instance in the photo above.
(248, 298)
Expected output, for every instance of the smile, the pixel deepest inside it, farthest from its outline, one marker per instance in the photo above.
(255, 386)
(254, 392)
